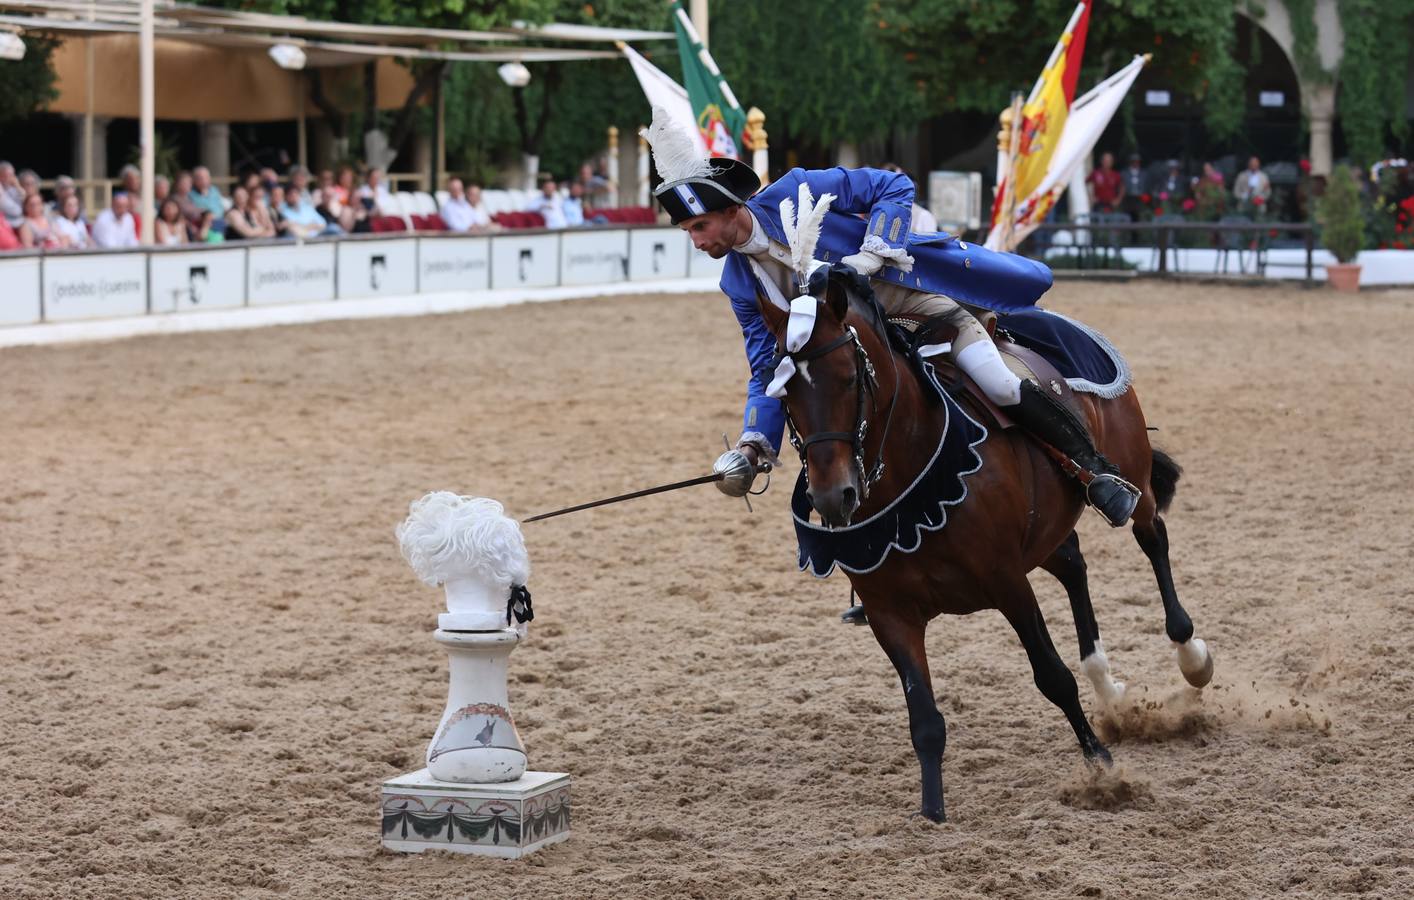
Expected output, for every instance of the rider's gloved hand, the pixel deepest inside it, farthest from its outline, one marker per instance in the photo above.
(864, 262)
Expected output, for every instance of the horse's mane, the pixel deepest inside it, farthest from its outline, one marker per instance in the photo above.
(860, 294)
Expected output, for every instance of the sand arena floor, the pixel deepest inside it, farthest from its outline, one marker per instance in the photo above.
(213, 653)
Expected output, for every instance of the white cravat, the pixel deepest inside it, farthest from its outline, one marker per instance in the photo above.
(771, 262)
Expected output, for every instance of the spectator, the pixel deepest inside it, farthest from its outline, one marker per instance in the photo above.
(250, 180)
(240, 226)
(549, 204)
(181, 192)
(70, 224)
(459, 212)
(302, 219)
(353, 214)
(29, 182)
(114, 226)
(64, 188)
(169, 228)
(131, 177)
(11, 196)
(161, 187)
(8, 239)
(268, 180)
(205, 197)
(299, 178)
(1252, 186)
(1172, 188)
(1131, 201)
(272, 209)
(35, 228)
(375, 195)
(1106, 185)
(596, 187)
(574, 205)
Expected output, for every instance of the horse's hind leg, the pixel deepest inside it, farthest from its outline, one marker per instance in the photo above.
(902, 639)
(1051, 674)
(1195, 661)
(1067, 564)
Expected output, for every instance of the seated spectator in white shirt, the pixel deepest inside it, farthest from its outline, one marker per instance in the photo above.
(114, 226)
(375, 195)
(70, 223)
(459, 211)
(574, 205)
(549, 204)
(301, 218)
(169, 228)
(11, 196)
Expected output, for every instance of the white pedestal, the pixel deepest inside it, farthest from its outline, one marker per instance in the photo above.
(509, 820)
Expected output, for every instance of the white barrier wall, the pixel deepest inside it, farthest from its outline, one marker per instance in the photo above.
(94, 287)
(19, 291)
(302, 273)
(594, 257)
(377, 268)
(453, 264)
(655, 253)
(525, 260)
(213, 279)
(85, 285)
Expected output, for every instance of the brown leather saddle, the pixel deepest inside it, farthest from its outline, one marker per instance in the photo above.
(1025, 362)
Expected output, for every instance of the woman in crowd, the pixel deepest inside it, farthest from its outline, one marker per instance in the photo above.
(71, 226)
(242, 223)
(169, 228)
(35, 228)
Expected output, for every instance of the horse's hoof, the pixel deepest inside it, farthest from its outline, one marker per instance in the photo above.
(939, 817)
(1099, 758)
(1195, 661)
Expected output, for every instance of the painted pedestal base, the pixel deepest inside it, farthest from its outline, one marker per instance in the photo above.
(510, 819)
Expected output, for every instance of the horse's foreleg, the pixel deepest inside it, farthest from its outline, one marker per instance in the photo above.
(1194, 658)
(1051, 674)
(902, 639)
(1067, 564)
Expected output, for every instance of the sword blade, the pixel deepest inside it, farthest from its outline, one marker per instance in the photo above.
(677, 485)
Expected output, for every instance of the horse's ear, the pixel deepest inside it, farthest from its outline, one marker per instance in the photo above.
(774, 316)
(836, 298)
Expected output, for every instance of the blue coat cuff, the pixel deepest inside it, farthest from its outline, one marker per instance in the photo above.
(764, 414)
(891, 223)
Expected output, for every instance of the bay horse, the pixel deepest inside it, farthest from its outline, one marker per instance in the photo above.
(849, 412)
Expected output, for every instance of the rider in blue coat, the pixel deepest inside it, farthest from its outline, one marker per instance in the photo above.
(867, 228)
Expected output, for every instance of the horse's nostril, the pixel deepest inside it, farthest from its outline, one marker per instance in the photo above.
(848, 499)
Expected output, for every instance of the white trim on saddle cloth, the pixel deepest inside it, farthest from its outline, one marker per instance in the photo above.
(1123, 376)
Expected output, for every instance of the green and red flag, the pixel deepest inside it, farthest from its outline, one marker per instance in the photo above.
(720, 119)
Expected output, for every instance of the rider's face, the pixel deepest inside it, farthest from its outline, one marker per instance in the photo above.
(714, 233)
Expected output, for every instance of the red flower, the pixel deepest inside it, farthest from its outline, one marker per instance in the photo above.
(1145, 198)
(1163, 195)
(1257, 201)
(1188, 205)
(1158, 210)
(1399, 229)
(1272, 233)
(1305, 166)
(1399, 245)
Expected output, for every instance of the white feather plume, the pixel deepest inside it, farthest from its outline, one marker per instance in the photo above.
(802, 227)
(675, 154)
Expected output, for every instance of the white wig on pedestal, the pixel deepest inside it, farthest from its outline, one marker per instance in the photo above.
(447, 536)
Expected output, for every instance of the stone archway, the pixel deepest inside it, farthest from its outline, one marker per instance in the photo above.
(1317, 93)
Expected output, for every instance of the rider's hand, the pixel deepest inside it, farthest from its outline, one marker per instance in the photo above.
(864, 262)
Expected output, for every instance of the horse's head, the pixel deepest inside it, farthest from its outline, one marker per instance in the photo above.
(826, 378)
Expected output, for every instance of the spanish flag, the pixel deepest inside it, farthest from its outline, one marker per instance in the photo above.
(1043, 117)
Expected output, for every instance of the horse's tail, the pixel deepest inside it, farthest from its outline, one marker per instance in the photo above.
(1163, 478)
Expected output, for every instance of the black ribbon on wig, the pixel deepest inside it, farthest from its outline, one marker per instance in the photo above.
(518, 605)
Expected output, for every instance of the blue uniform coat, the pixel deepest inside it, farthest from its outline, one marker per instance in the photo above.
(942, 264)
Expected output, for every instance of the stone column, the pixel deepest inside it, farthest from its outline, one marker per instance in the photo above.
(1320, 110)
(215, 140)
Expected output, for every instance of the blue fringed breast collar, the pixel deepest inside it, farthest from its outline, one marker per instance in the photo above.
(863, 546)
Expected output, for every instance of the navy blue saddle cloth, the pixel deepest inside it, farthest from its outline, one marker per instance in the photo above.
(1084, 357)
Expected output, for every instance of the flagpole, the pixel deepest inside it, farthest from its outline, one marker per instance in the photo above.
(1056, 52)
(1009, 203)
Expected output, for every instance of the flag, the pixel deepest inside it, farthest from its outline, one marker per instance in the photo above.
(1044, 114)
(1088, 118)
(719, 118)
(663, 92)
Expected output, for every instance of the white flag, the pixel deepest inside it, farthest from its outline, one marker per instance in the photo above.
(663, 92)
(1089, 116)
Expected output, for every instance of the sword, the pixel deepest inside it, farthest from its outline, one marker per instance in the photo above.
(662, 488)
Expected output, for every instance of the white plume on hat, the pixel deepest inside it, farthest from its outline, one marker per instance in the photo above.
(675, 154)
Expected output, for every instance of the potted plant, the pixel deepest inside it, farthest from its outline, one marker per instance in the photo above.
(1342, 228)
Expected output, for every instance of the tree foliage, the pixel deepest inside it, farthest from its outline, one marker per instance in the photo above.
(1372, 74)
(27, 85)
(971, 54)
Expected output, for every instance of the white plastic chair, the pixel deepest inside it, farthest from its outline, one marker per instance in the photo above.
(442, 197)
(407, 204)
(426, 206)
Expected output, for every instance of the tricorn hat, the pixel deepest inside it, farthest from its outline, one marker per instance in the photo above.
(692, 183)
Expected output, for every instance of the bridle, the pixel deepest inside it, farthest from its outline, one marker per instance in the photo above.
(866, 382)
